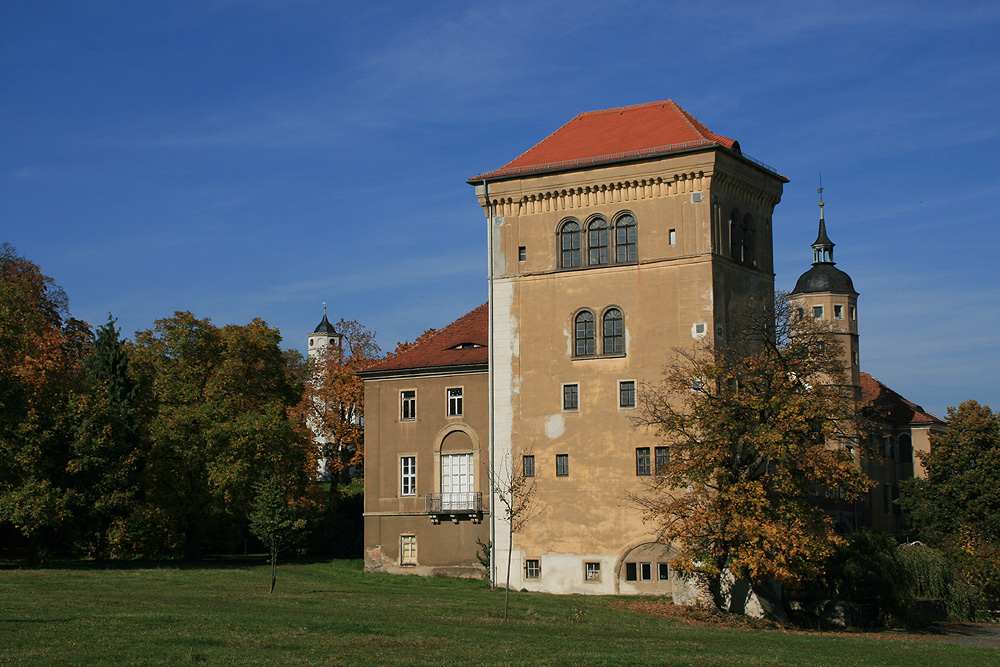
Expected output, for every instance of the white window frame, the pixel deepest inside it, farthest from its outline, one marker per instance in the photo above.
(455, 401)
(645, 571)
(532, 568)
(407, 405)
(407, 475)
(407, 550)
(592, 572)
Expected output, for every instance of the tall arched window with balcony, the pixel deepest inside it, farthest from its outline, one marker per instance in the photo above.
(625, 239)
(569, 245)
(584, 334)
(598, 242)
(614, 333)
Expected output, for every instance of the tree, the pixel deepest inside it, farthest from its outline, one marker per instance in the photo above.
(278, 520)
(755, 426)
(333, 399)
(957, 507)
(215, 404)
(40, 371)
(516, 493)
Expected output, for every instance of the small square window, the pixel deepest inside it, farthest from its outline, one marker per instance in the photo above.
(800, 313)
(571, 397)
(408, 405)
(642, 461)
(664, 569)
(818, 312)
(626, 394)
(645, 572)
(838, 312)
(408, 550)
(631, 572)
(522, 253)
(532, 568)
(455, 402)
(593, 571)
(562, 465)
(673, 237)
(528, 465)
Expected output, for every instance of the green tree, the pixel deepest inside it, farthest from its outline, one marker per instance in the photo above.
(40, 352)
(216, 406)
(755, 428)
(957, 506)
(278, 520)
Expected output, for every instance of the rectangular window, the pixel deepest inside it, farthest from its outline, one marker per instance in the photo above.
(562, 465)
(522, 253)
(626, 394)
(571, 397)
(673, 237)
(455, 402)
(662, 459)
(408, 405)
(631, 573)
(532, 569)
(818, 312)
(642, 461)
(854, 313)
(887, 495)
(838, 312)
(664, 569)
(645, 572)
(408, 550)
(528, 465)
(593, 571)
(408, 476)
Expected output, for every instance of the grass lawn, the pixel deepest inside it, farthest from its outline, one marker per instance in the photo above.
(331, 613)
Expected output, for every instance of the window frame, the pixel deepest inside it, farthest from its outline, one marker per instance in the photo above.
(661, 458)
(616, 337)
(592, 571)
(407, 405)
(562, 465)
(585, 337)
(528, 465)
(817, 312)
(571, 397)
(408, 479)
(662, 567)
(625, 225)
(407, 550)
(645, 571)
(455, 401)
(626, 395)
(598, 228)
(570, 247)
(643, 467)
(631, 572)
(532, 572)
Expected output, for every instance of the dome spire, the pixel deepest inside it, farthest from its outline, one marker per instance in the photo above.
(822, 246)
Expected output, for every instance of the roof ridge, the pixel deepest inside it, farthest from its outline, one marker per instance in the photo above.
(628, 107)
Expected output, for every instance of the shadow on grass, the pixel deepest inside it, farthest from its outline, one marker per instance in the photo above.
(215, 561)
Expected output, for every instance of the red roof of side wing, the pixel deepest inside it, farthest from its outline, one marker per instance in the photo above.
(886, 405)
(594, 137)
(462, 343)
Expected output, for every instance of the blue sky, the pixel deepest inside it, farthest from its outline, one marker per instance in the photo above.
(245, 159)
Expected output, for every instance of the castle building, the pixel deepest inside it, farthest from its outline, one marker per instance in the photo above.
(622, 236)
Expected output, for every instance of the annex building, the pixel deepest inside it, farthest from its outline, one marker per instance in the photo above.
(623, 235)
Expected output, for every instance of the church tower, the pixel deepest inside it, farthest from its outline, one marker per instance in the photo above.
(323, 335)
(825, 292)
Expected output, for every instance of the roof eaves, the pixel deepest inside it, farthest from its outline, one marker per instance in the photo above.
(427, 370)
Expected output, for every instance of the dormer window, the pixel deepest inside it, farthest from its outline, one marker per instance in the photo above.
(466, 346)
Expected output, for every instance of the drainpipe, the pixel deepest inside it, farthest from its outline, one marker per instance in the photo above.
(492, 391)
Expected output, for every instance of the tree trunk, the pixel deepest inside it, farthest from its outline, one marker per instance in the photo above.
(510, 549)
(274, 563)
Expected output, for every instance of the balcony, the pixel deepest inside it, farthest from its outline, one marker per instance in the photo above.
(454, 506)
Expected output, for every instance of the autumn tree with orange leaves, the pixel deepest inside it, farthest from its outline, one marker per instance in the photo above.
(755, 427)
(333, 401)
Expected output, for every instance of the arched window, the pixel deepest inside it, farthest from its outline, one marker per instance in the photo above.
(598, 242)
(569, 244)
(749, 235)
(735, 236)
(584, 337)
(625, 239)
(905, 449)
(614, 335)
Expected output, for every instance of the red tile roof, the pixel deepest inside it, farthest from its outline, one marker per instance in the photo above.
(887, 405)
(440, 349)
(594, 137)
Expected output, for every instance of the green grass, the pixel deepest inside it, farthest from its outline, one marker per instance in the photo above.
(333, 614)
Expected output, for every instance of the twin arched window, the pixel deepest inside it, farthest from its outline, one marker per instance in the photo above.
(612, 333)
(600, 250)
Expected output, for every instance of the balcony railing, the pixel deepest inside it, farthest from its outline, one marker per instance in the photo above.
(454, 503)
